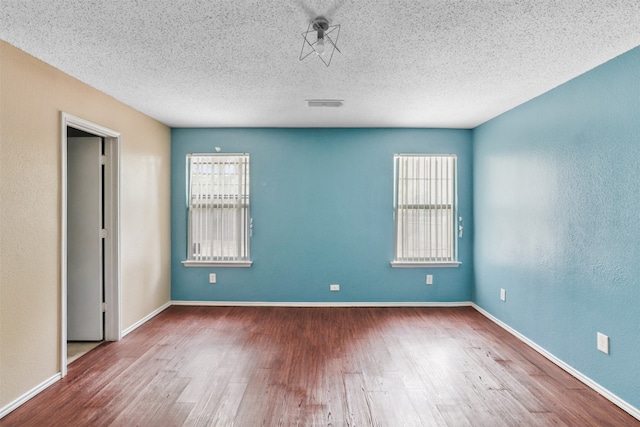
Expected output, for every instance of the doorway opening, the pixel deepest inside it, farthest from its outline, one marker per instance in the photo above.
(77, 349)
(90, 258)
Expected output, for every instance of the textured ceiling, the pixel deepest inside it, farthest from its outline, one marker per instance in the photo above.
(234, 63)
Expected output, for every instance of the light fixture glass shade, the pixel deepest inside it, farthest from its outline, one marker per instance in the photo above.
(320, 48)
(321, 39)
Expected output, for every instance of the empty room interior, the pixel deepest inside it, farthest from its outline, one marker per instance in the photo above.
(320, 213)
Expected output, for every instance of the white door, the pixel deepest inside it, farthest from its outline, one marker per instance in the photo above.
(84, 241)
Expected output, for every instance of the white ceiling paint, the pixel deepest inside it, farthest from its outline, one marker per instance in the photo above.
(234, 63)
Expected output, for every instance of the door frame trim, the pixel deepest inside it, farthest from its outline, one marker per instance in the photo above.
(112, 282)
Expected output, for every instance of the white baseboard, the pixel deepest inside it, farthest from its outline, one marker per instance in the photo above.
(145, 319)
(320, 304)
(28, 395)
(624, 405)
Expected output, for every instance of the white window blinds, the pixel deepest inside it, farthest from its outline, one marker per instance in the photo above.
(425, 209)
(218, 203)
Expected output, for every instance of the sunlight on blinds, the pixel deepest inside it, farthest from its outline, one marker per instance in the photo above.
(218, 203)
(424, 208)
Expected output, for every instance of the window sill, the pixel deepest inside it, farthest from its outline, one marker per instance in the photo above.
(217, 263)
(404, 264)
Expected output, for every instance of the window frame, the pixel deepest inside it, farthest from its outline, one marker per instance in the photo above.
(416, 261)
(245, 202)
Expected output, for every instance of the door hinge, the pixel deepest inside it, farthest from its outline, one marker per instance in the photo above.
(103, 159)
(103, 234)
(104, 307)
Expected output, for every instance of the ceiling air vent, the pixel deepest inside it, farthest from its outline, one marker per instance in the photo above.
(324, 102)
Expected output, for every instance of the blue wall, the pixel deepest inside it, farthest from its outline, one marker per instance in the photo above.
(557, 221)
(322, 209)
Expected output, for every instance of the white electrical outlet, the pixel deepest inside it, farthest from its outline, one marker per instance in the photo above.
(503, 295)
(334, 287)
(212, 278)
(429, 279)
(603, 343)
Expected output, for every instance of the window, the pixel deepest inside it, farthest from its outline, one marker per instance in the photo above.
(218, 210)
(425, 197)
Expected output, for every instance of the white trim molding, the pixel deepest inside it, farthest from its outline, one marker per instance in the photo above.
(402, 264)
(145, 319)
(112, 282)
(191, 263)
(320, 304)
(624, 405)
(28, 395)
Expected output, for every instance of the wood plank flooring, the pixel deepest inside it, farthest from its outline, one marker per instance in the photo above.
(277, 366)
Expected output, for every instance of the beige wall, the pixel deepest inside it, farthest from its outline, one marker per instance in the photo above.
(32, 96)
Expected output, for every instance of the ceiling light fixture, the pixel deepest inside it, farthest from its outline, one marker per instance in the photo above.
(319, 39)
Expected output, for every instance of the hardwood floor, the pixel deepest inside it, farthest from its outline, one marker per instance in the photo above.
(252, 366)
